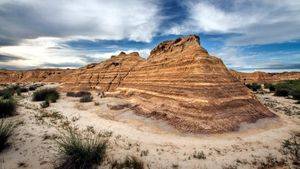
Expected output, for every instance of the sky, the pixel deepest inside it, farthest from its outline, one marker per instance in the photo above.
(248, 35)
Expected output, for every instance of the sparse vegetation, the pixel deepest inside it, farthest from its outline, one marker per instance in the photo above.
(33, 87)
(254, 86)
(271, 162)
(6, 130)
(291, 148)
(9, 91)
(7, 107)
(144, 153)
(50, 94)
(281, 92)
(286, 88)
(130, 162)
(199, 155)
(80, 152)
(86, 98)
(270, 86)
(6, 93)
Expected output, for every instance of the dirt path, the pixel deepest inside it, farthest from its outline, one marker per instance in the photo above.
(155, 142)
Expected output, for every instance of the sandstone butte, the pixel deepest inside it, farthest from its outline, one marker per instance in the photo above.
(179, 83)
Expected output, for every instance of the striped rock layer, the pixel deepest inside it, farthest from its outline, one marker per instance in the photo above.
(263, 77)
(179, 82)
(37, 75)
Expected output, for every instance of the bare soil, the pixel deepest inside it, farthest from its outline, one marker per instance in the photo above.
(153, 141)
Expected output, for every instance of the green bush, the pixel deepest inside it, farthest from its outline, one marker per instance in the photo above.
(7, 93)
(282, 92)
(6, 130)
(33, 87)
(7, 107)
(50, 94)
(23, 89)
(296, 94)
(254, 86)
(86, 98)
(270, 86)
(130, 162)
(80, 152)
(290, 87)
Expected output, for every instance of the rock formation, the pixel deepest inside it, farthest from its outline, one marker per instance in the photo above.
(179, 82)
(263, 77)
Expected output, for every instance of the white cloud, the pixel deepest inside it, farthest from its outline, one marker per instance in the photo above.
(52, 52)
(37, 30)
(257, 21)
(95, 19)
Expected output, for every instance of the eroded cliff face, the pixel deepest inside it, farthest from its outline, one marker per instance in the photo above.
(179, 82)
(263, 77)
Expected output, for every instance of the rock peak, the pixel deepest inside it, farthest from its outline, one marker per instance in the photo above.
(179, 43)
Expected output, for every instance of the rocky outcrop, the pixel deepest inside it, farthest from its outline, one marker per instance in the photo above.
(263, 77)
(179, 82)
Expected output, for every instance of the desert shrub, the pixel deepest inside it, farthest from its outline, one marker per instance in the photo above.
(24, 89)
(199, 155)
(50, 94)
(21, 90)
(33, 87)
(80, 152)
(71, 94)
(78, 94)
(130, 162)
(45, 104)
(6, 129)
(296, 94)
(291, 148)
(86, 98)
(282, 92)
(52, 98)
(6, 94)
(290, 87)
(9, 91)
(270, 86)
(7, 107)
(254, 86)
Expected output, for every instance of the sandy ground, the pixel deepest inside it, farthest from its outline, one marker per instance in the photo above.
(154, 142)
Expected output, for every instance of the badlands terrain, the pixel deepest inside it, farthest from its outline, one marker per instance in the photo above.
(179, 108)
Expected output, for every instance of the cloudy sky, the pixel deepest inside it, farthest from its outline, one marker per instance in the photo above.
(247, 34)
